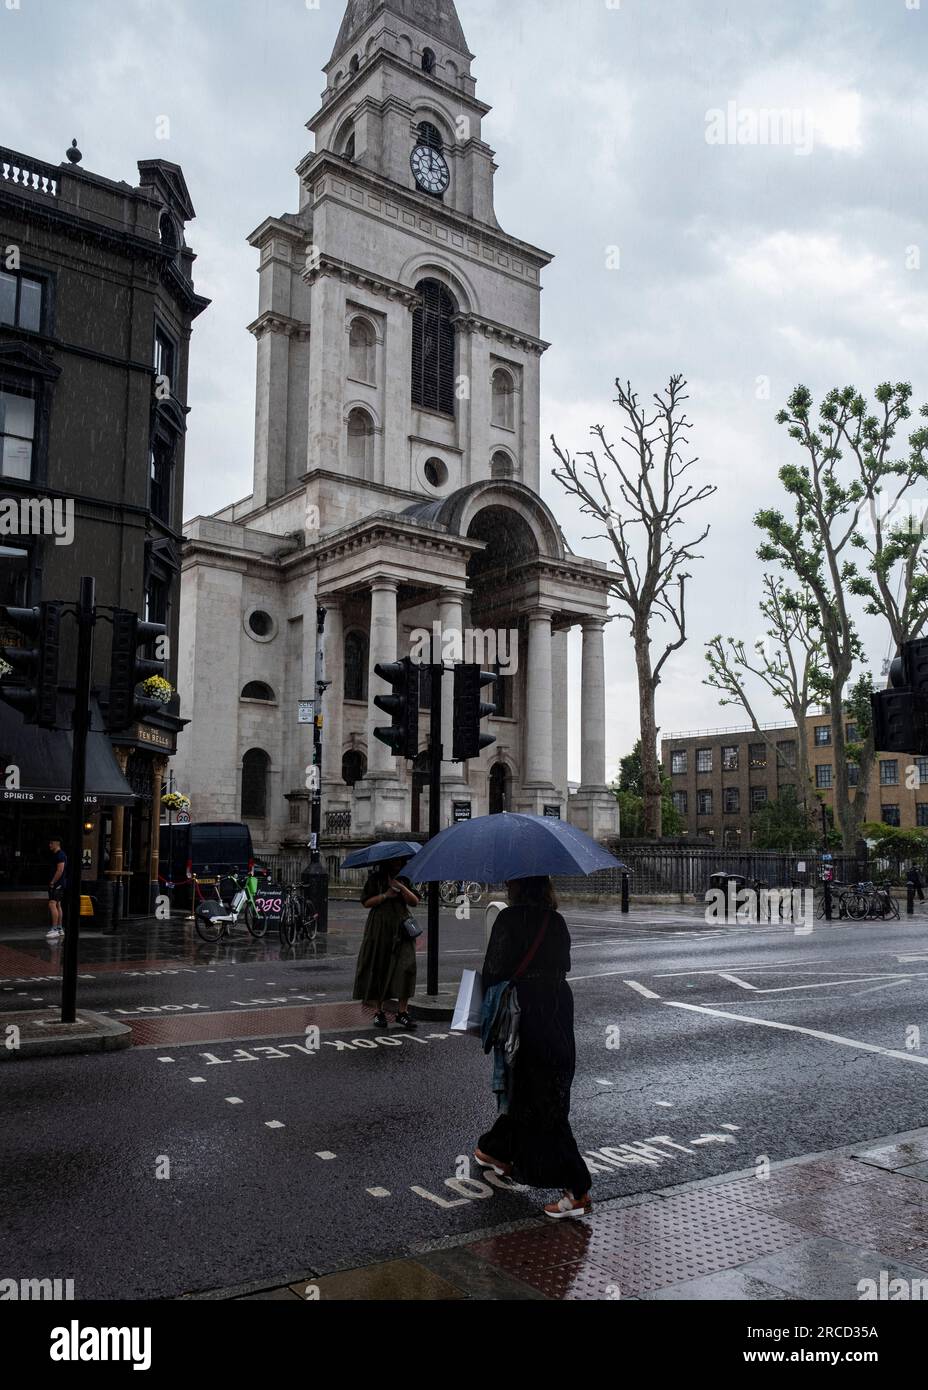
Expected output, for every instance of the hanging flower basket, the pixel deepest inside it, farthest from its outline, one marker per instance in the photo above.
(157, 688)
(176, 801)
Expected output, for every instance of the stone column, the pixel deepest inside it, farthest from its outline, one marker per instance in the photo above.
(115, 871)
(594, 808)
(453, 775)
(560, 746)
(539, 712)
(593, 706)
(333, 702)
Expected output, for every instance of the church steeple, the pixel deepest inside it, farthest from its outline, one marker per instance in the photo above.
(436, 18)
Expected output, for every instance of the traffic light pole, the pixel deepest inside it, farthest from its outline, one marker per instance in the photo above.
(86, 617)
(315, 815)
(435, 759)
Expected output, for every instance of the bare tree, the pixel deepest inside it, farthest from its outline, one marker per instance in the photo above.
(642, 524)
(788, 660)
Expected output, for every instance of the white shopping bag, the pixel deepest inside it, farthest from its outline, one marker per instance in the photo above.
(469, 1004)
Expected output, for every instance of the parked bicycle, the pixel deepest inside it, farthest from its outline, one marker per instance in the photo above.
(859, 902)
(298, 920)
(451, 892)
(214, 918)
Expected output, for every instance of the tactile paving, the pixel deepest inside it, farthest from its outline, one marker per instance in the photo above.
(639, 1249)
(284, 1022)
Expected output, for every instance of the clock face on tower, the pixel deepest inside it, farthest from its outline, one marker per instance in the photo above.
(430, 169)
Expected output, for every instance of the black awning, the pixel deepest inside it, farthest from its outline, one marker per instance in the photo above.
(43, 757)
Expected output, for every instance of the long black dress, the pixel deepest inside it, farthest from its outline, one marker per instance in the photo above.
(535, 1135)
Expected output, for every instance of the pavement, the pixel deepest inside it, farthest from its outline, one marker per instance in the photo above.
(260, 1137)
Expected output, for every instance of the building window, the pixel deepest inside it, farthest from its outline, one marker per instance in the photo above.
(257, 690)
(890, 815)
(428, 60)
(680, 803)
(503, 400)
(730, 759)
(503, 698)
(161, 472)
(261, 625)
(822, 735)
(360, 442)
(889, 773)
(362, 351)
(922, 765)
(17, 432)
(255, 768)
(15, 573)
(732, 801)
(757, 755)
(758, 798)
(355, 666)
(157, 597)
(165, 361)
(349, 150)
(500, 789)
(433, 348)
(354, 767)
(703, 759)
(704, 803)
(436, 473)
(501, 466)
(853, 774)
(21, 301)
(852, 735)
(824, 776)
(786, 752)
(921, 813)
(678, 762)
(355, 65)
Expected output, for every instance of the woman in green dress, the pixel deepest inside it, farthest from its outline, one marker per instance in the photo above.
(387, 961)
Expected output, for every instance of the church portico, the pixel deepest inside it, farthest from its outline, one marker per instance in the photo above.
(396, 479)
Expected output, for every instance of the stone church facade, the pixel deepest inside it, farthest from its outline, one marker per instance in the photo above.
(396, 475)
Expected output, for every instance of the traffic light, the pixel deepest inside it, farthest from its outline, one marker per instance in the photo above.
(127, 669)
(37, 660)
(900, 715)
(402, 738)
(469, 710)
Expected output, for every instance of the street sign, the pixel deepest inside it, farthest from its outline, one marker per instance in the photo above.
(826, 857)
(801, 867)
(307, 711)
(461, 811)
(182, 818)
(553, 812)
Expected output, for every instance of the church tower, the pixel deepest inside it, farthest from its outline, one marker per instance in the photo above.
(396, 476)
(398, 337)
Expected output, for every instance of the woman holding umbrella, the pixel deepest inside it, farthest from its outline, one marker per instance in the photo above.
(532, 1139)
(387, 960)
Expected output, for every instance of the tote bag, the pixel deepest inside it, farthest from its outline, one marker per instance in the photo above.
(469, 1004)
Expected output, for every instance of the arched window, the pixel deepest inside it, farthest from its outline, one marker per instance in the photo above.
(257, 690)
(501, 466)
(349, 149)
(430, 135)
(355, 666)
(428, 60)
(168, 232)
(503, 400)
(354, 767)
(354, 65)
(360, 442)
(362, 351)
(433, 348)
(500, 786)
(451, 72)
(255, 768)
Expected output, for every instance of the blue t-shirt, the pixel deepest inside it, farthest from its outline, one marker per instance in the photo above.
(61, 858)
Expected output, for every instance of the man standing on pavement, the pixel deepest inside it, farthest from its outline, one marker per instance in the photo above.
(56, 887)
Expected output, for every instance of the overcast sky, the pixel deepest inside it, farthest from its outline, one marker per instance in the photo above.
(746, 267)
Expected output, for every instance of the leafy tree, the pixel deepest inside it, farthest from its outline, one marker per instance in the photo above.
(849, 483)
(641, 498)
(628, 793)
(784, 824)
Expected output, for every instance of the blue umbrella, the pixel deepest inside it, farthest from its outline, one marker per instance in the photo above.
(492, 849)
(381, 854)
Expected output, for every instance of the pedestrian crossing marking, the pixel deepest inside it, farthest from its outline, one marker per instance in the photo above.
(274, 1124)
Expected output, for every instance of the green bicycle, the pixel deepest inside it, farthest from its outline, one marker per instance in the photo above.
(215, 919)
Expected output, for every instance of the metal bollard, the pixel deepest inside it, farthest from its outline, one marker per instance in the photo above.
(625, 894)
(910, 899)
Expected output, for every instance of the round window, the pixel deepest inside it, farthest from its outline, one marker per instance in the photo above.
(260, 625)
(436, 473)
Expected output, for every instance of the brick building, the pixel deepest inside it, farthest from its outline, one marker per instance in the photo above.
(721, 777)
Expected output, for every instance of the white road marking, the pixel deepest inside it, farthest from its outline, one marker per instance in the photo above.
(599, 1082)
(902, 980)
(736, 980)
(664, 1104)
(234, 1100)
(198, 1080)
(325, 1154)
(826, 984)
(274, 1124)
(165, 1059)
(639, 989)
(378, 1192)
(809, 1032)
